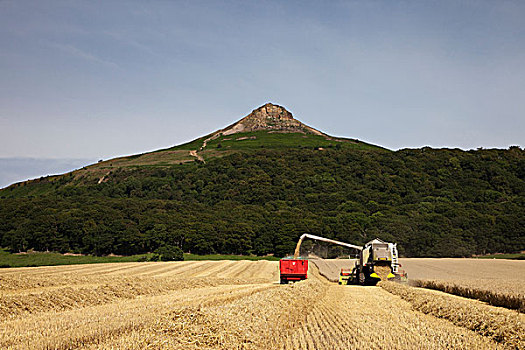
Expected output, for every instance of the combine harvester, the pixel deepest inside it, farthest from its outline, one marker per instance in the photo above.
(377, 260)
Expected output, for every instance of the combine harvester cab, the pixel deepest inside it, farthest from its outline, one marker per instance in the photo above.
(293, 270)
(378, 261)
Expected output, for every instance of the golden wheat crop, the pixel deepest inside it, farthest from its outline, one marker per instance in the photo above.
(94, 325)
(459, 268)
(495, 281)
(504, 326)
(497, 293)
(68, 307)
(356, 317)
(259, 320)
(27, 292)
(218, 305)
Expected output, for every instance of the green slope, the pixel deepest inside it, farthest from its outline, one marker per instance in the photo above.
(263, 139)
(180, 156)
(433, 202)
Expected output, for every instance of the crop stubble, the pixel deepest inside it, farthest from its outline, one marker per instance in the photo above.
(211, 305)
(498, 282)
(351, 317)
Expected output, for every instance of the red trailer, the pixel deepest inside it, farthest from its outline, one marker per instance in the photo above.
(293, 270)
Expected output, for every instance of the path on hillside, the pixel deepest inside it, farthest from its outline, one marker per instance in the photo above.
(212, 137)
(196, 155)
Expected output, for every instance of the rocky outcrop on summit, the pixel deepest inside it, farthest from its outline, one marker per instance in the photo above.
(269, 117)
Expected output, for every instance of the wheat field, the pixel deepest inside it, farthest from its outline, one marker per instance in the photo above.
(232, 305)
(498, 282)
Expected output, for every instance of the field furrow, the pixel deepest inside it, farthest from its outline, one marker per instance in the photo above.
(92, 325)
(22, 295)
(237, 305)
(172, 269)
(231, 270)
(368, 317)
(250, 322)
(213, 268)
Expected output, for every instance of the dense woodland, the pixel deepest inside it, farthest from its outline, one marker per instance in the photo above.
(433, 202)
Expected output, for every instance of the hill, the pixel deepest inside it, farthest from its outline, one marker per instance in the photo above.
(269, 127)
(256, 185)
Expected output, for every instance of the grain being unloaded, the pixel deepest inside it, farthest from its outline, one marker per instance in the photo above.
(382, 271)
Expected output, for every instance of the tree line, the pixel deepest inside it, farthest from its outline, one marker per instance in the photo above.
(433, 202)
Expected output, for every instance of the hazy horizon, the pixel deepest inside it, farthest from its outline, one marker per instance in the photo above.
(13, 170)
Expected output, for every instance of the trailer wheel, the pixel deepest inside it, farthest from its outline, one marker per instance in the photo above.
(361, 278)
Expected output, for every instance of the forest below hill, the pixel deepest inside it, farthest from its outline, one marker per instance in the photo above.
(433, 202)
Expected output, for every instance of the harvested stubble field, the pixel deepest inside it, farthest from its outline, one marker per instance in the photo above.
(495, 281)
(498, 282)
(231, 305)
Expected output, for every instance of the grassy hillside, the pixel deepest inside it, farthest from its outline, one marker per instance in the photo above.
(180, 156)
(275, 140)
(226, 144)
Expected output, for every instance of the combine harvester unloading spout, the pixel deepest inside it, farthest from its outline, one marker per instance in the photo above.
(377, 260)
(317, 238)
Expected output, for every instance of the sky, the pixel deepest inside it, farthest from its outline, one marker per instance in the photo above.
(88, 80)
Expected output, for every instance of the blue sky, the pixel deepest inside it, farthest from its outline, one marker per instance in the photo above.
(91, 80)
